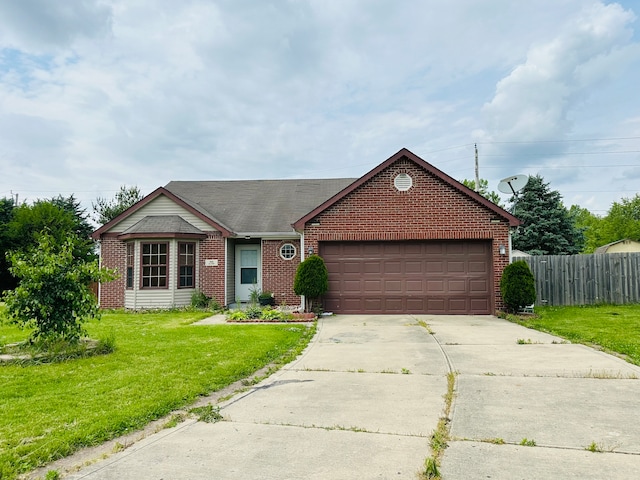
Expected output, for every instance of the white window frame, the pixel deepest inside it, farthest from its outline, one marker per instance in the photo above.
(293, 249)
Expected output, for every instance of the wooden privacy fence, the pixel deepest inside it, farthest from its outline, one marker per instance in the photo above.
(586, 279)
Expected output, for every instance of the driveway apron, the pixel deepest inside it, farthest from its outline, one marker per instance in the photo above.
(361, 402)
(364, 398)
(529, 405)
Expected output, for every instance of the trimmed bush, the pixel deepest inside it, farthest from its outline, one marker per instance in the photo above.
(517, 286)
(311, 280)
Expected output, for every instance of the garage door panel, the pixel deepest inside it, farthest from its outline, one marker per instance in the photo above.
(435, 267)
(455, 248)
(457, 286)
(393, 287)
(479, 304)
(458, 305)
(455, 266)
(413, 266)
(371, 267)
(435, 286)
(394, 305)
(372, 304)
(479, 286)
(416, 305)
(373, 287)
(478, 267)
(349, 267)
(351, 286)
(437, 277)
(393, 266)
(414, 286)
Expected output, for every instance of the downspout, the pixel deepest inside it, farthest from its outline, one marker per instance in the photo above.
(226, 269)
(510, 248)
(100, 267)
(302, 250)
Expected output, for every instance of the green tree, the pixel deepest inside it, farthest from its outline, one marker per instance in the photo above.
(311, 280)
(517, 286)
(59, 218)
(591, 225)
(54, 295)
(7, 281)
(484, 190)
(622, 220)
(106, 210)
(547, 227)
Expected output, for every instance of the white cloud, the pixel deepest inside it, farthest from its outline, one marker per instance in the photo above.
(41, 26)
(99, 94)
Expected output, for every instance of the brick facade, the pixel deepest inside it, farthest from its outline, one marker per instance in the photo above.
(212, 277)
(373, 210)
(277, 273)
(431, 209)
(113, 254)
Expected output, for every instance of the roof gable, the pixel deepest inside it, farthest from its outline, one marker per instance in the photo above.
(151, 197)
(406, 154)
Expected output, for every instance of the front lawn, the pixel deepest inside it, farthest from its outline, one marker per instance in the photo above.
(161, 363)
(615, 328)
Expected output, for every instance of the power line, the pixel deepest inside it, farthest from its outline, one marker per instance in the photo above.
(562, 141)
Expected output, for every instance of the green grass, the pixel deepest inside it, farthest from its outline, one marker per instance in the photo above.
(615, 328)
(161, 363)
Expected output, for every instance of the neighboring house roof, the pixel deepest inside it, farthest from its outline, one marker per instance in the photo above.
(404, 153)
(257, 206)
(519, 253)
(163, 225)
(631, 246)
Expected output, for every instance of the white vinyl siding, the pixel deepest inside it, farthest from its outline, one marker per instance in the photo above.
(138, 298)
(157, 207)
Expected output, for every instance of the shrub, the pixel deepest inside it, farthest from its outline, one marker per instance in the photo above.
(517, 286)
(271, 314)
(199, 299)
(253, 311)
(311, 280)
(237, 316)
(54, 294)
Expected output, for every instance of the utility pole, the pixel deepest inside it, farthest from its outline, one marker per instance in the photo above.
(475, 145)
(16, 200)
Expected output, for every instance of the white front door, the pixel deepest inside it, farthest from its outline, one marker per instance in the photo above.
(247, 270)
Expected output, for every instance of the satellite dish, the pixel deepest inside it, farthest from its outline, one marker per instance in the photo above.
(513, 184)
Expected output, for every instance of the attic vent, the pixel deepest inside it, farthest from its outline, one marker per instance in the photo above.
(403, 182)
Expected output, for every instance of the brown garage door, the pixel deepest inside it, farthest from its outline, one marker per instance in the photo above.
(440, 277)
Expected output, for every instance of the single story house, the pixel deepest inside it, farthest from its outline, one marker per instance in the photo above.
(403, 238)
(621, 246)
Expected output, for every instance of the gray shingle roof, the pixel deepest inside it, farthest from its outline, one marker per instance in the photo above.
(162, 224)
(257, 206)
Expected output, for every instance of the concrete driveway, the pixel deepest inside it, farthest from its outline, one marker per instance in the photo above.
(364, 398)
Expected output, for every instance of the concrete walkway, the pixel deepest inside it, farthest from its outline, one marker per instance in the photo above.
(364, 398)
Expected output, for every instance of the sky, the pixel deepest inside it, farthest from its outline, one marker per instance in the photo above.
(95, 94)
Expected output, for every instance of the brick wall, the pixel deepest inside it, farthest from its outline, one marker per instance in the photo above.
(278, 274)
(113, 255)
(431, 209)
(212, 277)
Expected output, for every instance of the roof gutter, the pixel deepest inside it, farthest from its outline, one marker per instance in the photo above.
(291, 235)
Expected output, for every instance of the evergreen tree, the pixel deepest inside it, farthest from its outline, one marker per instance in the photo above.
(548, 228)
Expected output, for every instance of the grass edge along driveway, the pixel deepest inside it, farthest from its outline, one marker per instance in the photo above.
(612, 328)
(161, 363)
